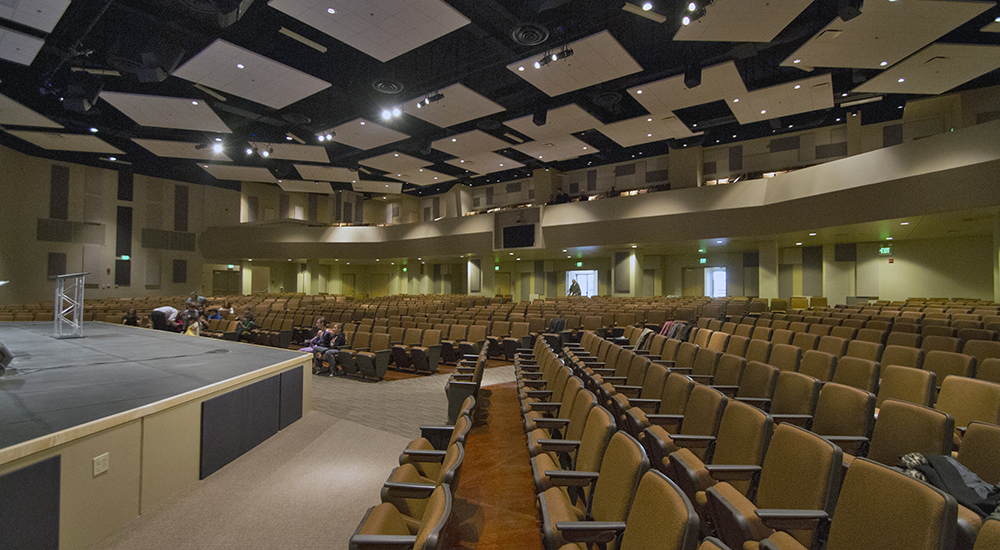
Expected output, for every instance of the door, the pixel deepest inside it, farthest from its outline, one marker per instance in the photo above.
(380, 284)
(502, 284)
(348, 284)
(587, 279)
(693, 281)
(648, 282)
(526, 287)
(226, 282)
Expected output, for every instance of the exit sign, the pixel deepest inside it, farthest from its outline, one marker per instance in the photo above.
(885, 250)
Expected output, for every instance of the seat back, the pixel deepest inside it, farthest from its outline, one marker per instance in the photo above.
(786, 357)
(705, 361)
(597, 432)
(661, 517)
(795, 393)
(703, 411)
(941, 343)
(845, 411)
(686, 354)
(979, 451)
(871, 335)
(968, 400)
(903, 356)
(670, 348)
(865, 350)
(758, 350)
(729, 370)
(947, 363)
(818, 364)
(904, 428)
(906, 384)
(362, 340)
(863, 517)
(702, 337)
(833, 345)
(981, 349)
(622, 467)
(781, 336)
(457, 332)
(476, 333)
(676, 393)
(744, 330)
(431, 337)
(718, 341)
(758, 380)
(412, 337)
(989, 369)
(743, 437)
(761, 333)
(857, 373)
(436, 516)
(908, 339)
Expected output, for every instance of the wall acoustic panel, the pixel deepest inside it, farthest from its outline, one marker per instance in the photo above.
(235, 422)
(623, 272)
(30, 517)
(291, 397)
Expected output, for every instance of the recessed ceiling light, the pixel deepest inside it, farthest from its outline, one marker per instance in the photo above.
(888, 238)
(904, 223)
(520, 68)
(194, 103)
(718, 242)
(565, 250)
(386, 114)
(883, 64)
(649, 135)
(695, 125)
(797, 61)
(453, 140)
(843, 94)
(112, 158)
(638, 91)
(395, 154)
(763, 111)
(812, 234)
(798, 244)
(635, 246)
(501, 164)
(396, 111)
(649, 120)
(901, 80)
(362, 123)
(797, 86)
(737, 100)
(240, 65)
(838, 120)
(734, 136)
(647, 6)
(331, 10)
(93, 130)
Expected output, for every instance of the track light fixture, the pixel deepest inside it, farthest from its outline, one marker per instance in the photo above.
(254, 150)
(391, 113)
(325, 135)
(549, 58)
(428, 99)
(695, 10)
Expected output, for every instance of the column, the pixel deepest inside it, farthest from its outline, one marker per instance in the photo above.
(768, 278)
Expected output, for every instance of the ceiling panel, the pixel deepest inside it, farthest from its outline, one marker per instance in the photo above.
(561, 148)
(992, 27)
(364, 134)
(395, 162)
(470, 143)
(935, 69)
(303, 186)
(19, 47)
(37, 14)
(382, 29)
(293, 151)
(884, 34)
(568, 119)
(646, 129)
(790, 98)
(743, 20)
(719, 82)
(15, 114)
(421, 176)
(597, 58)
(390, 187)
(167, 112)
(326, 173)
(239, 173)
(458, 105)
(180, 150)
(484, 163)
(66, 142)
(260, 79)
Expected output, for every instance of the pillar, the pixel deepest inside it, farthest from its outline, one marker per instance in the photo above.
(768, 278)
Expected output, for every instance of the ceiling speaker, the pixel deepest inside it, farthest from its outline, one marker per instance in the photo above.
(539, 117)
(692, 75)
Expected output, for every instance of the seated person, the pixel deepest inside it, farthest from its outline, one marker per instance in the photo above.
(130, 318)
(328, 353)
(193, 325)
(244, 325)
(318, 336)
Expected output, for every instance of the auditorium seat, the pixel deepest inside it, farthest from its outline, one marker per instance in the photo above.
(785, 357)
(946, 363)
(940, 343)
(583, 455)
(845, 416)
(858, 373)
(383, 526)
(426, 452)
(564, 427)
(409, 491)
(374, 363)
(758, 350)
(347, 357)
(907, 339)
(473, 342)
(728, 374)
(903, 428)
(968, 400)
(425, 357)
(903, 356)
(695, 429)
(675, 393)
(449, 345)
(864, 517)
(801, 471)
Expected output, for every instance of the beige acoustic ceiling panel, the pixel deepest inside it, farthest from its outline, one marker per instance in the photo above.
(293, 151)
(395, 162)
(241, 72)
(470, 143)
(718, 82)
(458, 104)
(790, 98)
(303, 186)
(597, 58)
(180, 150)
(13, 113)
(994, 26)
(387, 187)
(19, 47)
(167, 112)
(326, 173)
(646, 129)
(383, 29)
(884, 34)
(239, 173)
(562, 148)
(743, 20)
(563, 121)
(935, 70)
(421, 176)
(37, 14)
(364, 134)
(67, 142)
(484, 163)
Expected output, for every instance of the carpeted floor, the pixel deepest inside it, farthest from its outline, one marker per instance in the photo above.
(309, 486)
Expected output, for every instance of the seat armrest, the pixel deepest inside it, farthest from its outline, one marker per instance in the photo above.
(692, 441)
(544, 406)
(787, 520)
(730, 391)
(665, 363)
(628, 391)
(527, 351)
(465, 370)
(408, 490)
(614, 379)
(462, 377)
(551, 423)
(420, 455)
(702, 378)
(534, 383)
(603, 372)
(559, 445)
(759, 402)
(778, 418)
(586, 359)
(526, 363)
(646, 405)
(845, 438)
(731, 472)
(600, 532)
(383, 542)
(681, 370)
(437, 435)
(538, 394)
(531, 376)
(570, 478)
(664, 419)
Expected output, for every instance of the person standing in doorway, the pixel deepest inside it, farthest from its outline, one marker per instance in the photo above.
(574, 288)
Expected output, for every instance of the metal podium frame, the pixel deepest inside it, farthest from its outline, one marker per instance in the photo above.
(69, 305)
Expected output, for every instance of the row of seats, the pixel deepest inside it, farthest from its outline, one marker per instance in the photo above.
(417, 497)
(742, 428)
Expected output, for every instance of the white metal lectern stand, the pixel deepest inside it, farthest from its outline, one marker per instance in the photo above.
(69, 305)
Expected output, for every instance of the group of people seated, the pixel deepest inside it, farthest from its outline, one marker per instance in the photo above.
(191, 320)
(326, 341)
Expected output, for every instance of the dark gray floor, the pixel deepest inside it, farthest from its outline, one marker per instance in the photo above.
(56, 384)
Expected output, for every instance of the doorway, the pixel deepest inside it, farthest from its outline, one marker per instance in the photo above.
(225, 283)
(715, 282)
(587, 280)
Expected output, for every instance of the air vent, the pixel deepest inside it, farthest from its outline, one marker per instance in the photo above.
(488, 125)
(530, 34)
(387, 86)
(607, 99)
(296, 118)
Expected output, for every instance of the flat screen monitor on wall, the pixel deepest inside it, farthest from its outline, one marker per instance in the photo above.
(519, 236)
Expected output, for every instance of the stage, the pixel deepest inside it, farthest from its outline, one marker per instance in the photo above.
(95, 430)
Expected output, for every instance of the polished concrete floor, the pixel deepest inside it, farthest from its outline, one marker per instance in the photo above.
(54, 384)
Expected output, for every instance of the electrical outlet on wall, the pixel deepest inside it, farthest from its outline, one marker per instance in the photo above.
(101, 464)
